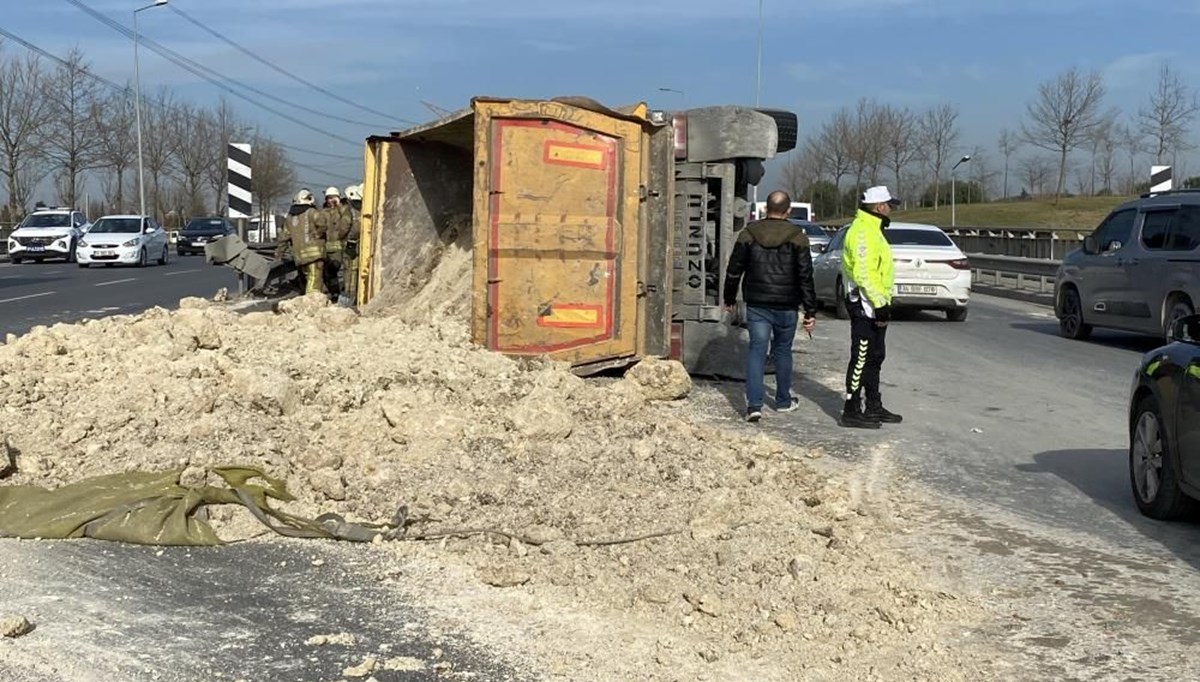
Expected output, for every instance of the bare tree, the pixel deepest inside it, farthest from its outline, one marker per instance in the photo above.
(834, 147)
(74, 143)
(871, 133)
(938, 134)
(115, 122)
(802, 169)
(195, 145)
(1008, 144)
(980, 173)
(1037, 170)
(1130, 141)
(158, 149)
(1108, 159)
(1064, 113)
(1096, 140)
(272, 173)
(24, 117)
(900, 131)
(1172, 108)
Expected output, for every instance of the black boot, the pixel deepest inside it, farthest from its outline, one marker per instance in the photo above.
(853, 417)
(878, 413)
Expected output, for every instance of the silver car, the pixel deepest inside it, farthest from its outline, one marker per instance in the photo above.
(1139, 271)
(818, 238)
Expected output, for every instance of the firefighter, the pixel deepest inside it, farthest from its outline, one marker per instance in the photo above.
(337, 220)
(350, 250)
(304, 233)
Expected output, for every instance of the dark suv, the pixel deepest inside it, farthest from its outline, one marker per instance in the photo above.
(1139, 271)
(201, 231)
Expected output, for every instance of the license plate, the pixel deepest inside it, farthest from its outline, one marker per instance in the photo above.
(921, 289)
(37, 248)
(199, 243)
(102, 254)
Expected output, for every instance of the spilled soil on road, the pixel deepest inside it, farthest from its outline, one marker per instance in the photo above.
(620, 539)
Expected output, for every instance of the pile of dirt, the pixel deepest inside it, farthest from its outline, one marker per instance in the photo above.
(635, 542)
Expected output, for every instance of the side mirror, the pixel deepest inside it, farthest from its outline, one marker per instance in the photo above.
(1089, 245)
(818, 248)
(148, 230)
(1114, 245)
(1186, 329)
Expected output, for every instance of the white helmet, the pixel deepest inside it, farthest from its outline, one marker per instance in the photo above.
(333, 192)
(353, 193)
(304, 196)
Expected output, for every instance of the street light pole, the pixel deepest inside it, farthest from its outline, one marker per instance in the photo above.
(137, 78)
(758, 83)
(953, 193)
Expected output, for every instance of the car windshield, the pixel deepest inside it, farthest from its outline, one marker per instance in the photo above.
(799, 213)
(810, 229)
(46, 220)
(900, 236)
(198, 225)
(117, 226)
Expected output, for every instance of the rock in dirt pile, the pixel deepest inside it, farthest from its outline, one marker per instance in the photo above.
(702, 551)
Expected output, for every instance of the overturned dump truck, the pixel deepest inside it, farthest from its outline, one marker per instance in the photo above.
(599, 236)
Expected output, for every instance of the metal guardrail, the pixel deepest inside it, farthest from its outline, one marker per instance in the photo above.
(1030, 275)
(1023, 242)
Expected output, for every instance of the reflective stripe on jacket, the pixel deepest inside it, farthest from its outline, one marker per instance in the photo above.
(867, 259)
(306, 232)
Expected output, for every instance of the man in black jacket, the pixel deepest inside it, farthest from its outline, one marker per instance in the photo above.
(774, 258)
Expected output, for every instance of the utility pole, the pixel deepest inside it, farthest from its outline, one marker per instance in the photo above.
(137, 77)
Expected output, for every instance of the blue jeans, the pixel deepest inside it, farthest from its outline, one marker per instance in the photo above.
(763, 324)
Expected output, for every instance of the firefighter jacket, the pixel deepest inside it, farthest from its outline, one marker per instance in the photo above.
(304, 230)
(338, 221)
(867, 259)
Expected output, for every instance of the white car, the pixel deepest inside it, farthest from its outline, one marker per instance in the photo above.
(47, 233)
(125, 239)
(931, 272)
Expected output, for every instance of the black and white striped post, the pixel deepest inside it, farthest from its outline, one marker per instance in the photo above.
(1160, 179)
(239, 196)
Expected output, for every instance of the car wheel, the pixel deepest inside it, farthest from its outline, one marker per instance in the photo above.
(71, 253)
(1178, 307)
(14, 261)
(1070, 321)
(82, 265)
(839, 301)
(956, 314)
(1152, 474)
(141, 258)
(163, 259)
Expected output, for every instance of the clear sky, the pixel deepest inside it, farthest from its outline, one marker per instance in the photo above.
(984, 56)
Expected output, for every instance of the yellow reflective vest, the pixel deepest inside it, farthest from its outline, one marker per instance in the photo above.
(867, 259)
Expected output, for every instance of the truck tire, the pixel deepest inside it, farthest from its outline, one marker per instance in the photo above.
(788, 126)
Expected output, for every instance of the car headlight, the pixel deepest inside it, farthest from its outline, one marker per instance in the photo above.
(132, 242)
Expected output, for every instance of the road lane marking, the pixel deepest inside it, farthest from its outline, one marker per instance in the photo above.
(116, 281)
(53, 272)
(181, 272)
(22, 298)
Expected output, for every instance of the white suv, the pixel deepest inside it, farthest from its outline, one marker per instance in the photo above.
(47, 233)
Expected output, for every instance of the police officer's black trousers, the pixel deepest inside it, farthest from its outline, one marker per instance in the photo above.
(867, 352)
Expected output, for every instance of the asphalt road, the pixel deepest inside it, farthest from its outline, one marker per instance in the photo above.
(1020, 438)
(34, 294)
(104, 612)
